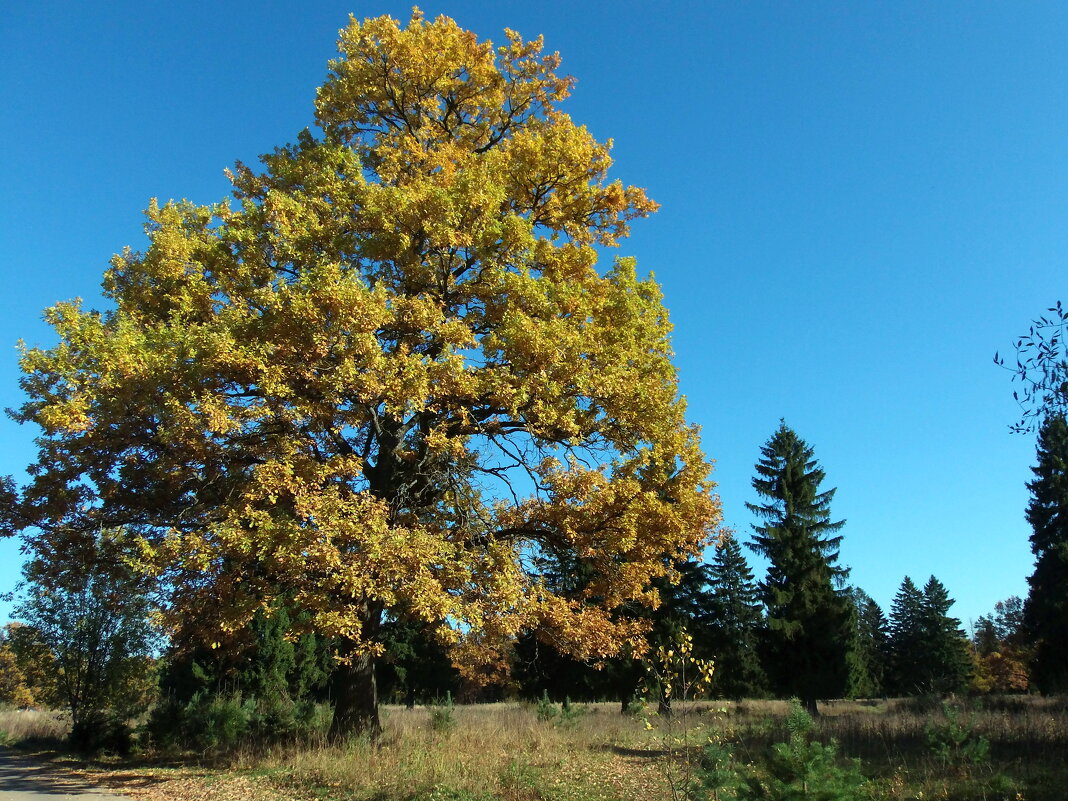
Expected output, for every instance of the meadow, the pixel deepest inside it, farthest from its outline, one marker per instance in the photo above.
(995, 748)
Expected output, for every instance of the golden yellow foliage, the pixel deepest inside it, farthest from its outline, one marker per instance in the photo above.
(28, 662)
(13, 689)
(388, 375)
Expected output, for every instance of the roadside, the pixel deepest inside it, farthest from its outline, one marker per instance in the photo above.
(33, 777)
(23, 778)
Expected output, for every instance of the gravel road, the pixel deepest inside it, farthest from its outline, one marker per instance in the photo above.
(23, 779)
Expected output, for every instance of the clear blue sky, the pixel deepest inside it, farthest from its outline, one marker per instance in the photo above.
(861, 203)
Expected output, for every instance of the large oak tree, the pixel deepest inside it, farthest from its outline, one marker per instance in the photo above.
(388, 377)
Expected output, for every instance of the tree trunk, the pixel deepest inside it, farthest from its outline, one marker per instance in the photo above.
(811, 707)
(354, 689)
(663, 708)
(355, 694)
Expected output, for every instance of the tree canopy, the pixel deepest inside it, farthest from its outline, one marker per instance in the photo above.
(387, 375)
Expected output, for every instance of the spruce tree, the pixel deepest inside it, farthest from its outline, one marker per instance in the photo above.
(905, 643)
(809, 622)
(415, 666)
(868, 664)
(1046, 609)
(946, 665)
(734, 623)
(928, 647)
(985, 637)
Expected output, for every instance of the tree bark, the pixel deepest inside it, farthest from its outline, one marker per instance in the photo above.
(354, 689)
(355, 693)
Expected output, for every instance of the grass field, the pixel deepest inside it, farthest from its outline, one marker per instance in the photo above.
(907, 750)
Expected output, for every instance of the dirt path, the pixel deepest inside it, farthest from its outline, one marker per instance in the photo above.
(23, 779)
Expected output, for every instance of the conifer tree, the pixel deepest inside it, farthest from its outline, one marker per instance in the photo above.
(734, 623)
(416, 665)
(905, 643)
(868, 664)
(928, 648)
(1046, 608)
(985, 637)
(809, 622)
(946, 663)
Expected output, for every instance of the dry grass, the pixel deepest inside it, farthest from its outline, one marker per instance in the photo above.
(33, 726)
(493, 751)
(503, 752)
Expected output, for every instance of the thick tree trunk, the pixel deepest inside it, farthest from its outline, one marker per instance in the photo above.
(355, 690)
(355, 694)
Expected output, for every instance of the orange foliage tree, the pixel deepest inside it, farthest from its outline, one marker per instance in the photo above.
(388, 377)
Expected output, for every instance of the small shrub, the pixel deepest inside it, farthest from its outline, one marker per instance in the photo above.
(636, 707)
(570, 714)
(955, 742)
(213, 723)
(442, 715)
(717, 777)
(546, 710)
(802, 769)
(313, 720)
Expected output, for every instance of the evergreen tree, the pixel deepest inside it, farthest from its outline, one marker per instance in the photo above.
(928, 648)
(905, 642)
(947, 664)
(539, 668)
(868, 664)
(1046, 608)
(416, 665)
(809, 622)
(733, 624)
(269, 672)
